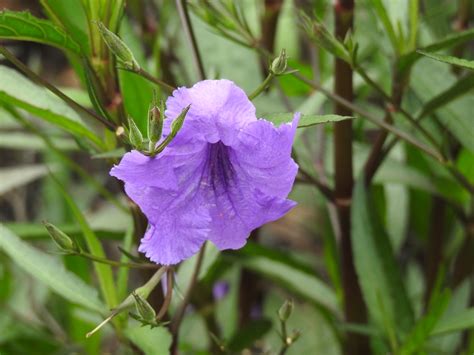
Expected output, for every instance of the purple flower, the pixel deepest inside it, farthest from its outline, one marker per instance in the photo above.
(224, 174)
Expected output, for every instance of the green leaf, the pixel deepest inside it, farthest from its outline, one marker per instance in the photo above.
(407, 60)
(460, 62)
(104, 271)
(455, 323)
(421, 332)
(383, 16)
(18, 91)
(305, 120)
(459, 88)
(48, 270)
(429, 80)
(12, 178)
(247, 336)
(27, 141)
(152, 341)
(288, 273)
(23, 26)
(377, 269)
(69, 15)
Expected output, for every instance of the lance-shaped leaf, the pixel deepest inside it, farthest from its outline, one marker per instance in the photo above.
(23, 26)
(18, 91)
(459, 62)
(377, 269)
(48, 270)
(305, 120)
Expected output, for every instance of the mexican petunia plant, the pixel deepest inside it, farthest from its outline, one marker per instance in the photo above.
(236, 177)
(224, 174)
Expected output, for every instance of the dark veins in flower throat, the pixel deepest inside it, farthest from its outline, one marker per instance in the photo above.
(220, 169)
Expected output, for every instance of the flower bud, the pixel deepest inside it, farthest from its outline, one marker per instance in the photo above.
(285, 310)
(134, 135)
(155, 123)
(118, 48)
(178, 122)
(144, 309)
(280, 63)
(61, 239)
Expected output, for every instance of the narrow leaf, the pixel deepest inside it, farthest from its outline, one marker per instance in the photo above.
(460, 62)
(23, 26)
(18, 91)
(11, 178)
(49, 271)
(305, 120)
(407, 60)
(104, 272)
(421, 332)
(376, 267)
(288, 273)
(152, 341)
(382, 14)
(456, 323)
(459, 88)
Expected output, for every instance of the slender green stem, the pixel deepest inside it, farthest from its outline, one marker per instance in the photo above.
(101, 260)
(36, 78)
(178, 317)
(262, 86)
(188, 28)
(284, 339)
(143, 73)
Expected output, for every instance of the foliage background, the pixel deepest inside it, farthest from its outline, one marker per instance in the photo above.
(412, 224)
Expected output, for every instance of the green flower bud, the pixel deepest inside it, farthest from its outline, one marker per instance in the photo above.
(155, 123)
(134, 135)
(178, 122)
(285, 310)
(61, 239)
(144, 309)
(118, 48)
(280, 63)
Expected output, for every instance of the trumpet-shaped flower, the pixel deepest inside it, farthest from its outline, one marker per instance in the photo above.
(224, 174)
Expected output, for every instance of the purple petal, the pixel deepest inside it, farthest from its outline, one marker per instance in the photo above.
(263, 155)
(139, 169)
(219, 108)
